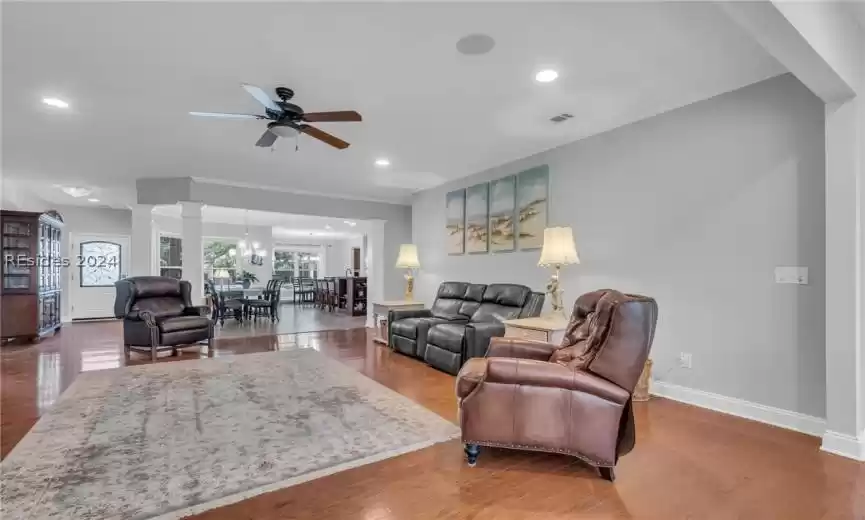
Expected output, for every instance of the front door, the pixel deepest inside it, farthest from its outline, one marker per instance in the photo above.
(97, 262)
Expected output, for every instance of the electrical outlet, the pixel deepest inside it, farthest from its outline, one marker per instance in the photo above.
(685, 359)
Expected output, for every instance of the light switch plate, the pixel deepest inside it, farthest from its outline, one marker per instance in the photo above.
(791, 274)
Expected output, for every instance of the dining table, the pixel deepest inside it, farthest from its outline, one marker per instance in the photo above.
(237, 292)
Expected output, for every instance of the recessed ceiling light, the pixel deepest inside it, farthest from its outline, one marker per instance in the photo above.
(382, 162)
(546, 76)
(54, 102)
(327, 227)
(350, 223)
(92, 200)
(73, 191)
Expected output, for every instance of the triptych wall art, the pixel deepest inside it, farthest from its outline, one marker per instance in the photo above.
(499, 216)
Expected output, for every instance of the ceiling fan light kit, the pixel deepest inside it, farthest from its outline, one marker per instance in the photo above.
(287, 119)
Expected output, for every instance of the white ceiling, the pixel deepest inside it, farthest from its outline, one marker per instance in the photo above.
(284, 225)
(857, 8)
(132, 71)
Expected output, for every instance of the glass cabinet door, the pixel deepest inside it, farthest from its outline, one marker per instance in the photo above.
(18, 255)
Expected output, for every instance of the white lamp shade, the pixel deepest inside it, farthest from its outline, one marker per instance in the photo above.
(559, 247)
(407, 257)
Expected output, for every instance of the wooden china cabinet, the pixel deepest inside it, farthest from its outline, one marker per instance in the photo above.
(30, 295)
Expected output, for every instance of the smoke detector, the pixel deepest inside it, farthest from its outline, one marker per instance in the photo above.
(561, 117)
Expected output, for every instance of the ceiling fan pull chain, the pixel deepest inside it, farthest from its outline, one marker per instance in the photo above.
(296, 142)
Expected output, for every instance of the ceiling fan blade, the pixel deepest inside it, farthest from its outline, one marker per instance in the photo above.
(323, 136)
(267, 139)
(227, 116)
(261, 96)
(342, 115)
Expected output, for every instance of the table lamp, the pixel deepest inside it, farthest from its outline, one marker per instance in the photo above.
(408, 260)
(558, 250)
(222, 275)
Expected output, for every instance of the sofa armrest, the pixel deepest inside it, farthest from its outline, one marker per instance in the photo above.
(520, 348)
(197, 310)
(529, 372)
(401, 314)
(478, 336)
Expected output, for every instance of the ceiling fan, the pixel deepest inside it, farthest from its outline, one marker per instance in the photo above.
(287, 119)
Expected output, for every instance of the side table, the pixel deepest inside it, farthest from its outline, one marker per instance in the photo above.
(379, 315)
(550, 329)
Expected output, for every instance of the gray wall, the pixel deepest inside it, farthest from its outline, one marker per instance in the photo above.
(694, 207)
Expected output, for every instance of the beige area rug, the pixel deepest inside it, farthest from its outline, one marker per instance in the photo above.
(173, 439)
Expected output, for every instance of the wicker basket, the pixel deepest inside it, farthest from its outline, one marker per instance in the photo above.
(641, 392)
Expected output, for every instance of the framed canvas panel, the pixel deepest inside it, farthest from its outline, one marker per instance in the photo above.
(455, 205)
(532, 207)
(502, 214)
(477, 218)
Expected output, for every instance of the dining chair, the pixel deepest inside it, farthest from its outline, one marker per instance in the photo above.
(330, 296)
(256, 307)
(317, 300)
(297, 290)
(232, 301)
(308, 290)
(267, 303)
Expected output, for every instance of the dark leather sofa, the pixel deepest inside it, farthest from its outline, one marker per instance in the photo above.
(158, 314)
(461, 322)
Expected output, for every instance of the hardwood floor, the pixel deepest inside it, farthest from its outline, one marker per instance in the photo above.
(688, 462)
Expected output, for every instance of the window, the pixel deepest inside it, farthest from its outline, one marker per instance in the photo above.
(307, 265)
(100, 264)
(289, 265)
(283, 265)
(220, 262)
(170, 254)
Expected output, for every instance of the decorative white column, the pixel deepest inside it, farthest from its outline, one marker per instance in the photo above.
(192, 247)
(144, 248)
(376, 264)
(845, 279)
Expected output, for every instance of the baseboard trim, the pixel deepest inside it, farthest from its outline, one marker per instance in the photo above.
(844, 444)
(795, 421)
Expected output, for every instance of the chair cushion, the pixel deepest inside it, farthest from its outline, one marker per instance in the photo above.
(452, 290)
(406, 327)
(501, 301)
(492, 312)
(178, 323)
(448, 336)
(510, 294)
(158, 306)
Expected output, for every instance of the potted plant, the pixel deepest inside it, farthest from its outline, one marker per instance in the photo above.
(247, 279)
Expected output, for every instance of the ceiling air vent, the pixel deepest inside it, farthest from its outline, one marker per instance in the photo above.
(561, 117)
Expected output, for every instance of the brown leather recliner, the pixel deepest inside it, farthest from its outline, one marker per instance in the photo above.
(573, 399)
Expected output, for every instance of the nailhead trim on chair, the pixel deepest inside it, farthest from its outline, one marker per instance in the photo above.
(541, 449)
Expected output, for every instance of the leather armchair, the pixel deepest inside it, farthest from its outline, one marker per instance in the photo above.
(449, 345)
(158, 314)
(573, 399)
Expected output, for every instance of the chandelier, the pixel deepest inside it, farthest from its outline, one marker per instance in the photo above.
(247, 248)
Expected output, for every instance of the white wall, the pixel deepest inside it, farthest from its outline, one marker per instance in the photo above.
(695, 207)
(82, 219)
